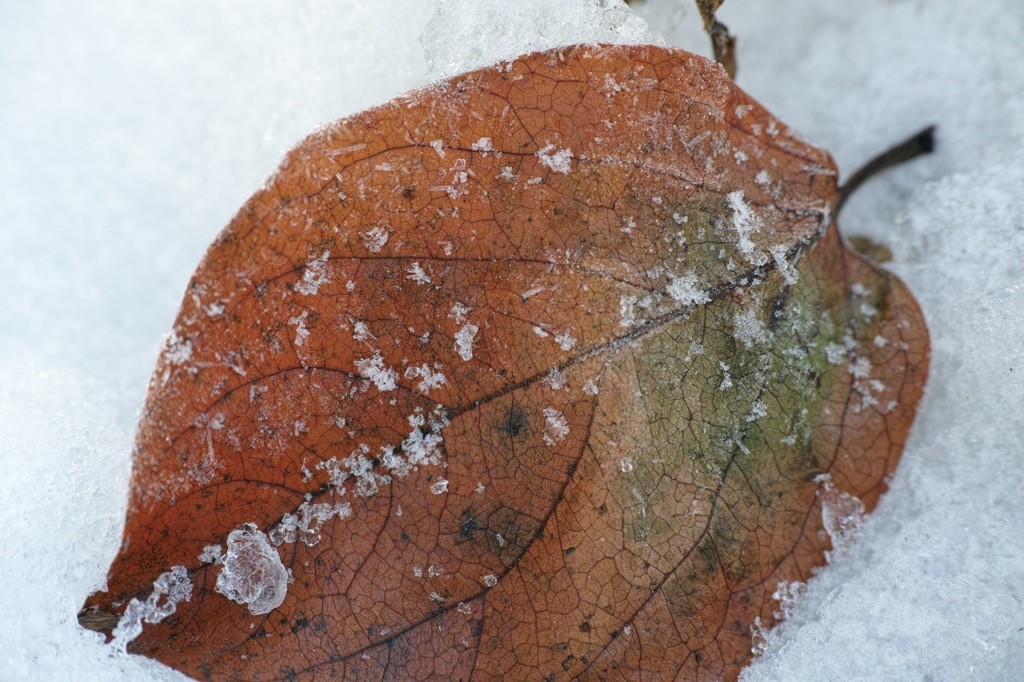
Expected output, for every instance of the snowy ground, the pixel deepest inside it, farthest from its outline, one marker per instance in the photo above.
(130, 132)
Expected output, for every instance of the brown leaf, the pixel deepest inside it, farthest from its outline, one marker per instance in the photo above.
(545, 372)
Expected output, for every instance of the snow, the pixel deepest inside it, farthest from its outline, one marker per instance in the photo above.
(468, 34)
(130, 133)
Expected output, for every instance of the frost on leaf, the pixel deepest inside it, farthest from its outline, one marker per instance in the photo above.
(579, 357)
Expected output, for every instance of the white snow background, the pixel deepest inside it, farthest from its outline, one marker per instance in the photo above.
(131, 131)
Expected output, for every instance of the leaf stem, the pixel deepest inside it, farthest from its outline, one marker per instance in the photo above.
(918, 144)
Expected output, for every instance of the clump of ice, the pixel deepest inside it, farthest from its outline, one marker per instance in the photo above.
(169, 589)
(251, 571)
(466, 34)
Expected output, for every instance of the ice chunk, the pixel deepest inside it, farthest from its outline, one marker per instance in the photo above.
(252, 572)
(467, 34)
(175, 585)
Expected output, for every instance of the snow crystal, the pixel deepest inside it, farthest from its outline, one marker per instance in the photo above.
(459, 312)
(748, 328)
(556, 380)
(482, 145)
(788, 270)
(860, 368)
(301, 333)
(530, 293)
(251, 572)
(745, 222)
(357, 466)
(314, 275)
(559, 161)
(835, 353)
(177, 350)
(726, 377)
(464, 341)
(417, 275)
(627, 311)
(305, 524)
(376, 238)
(490, 580)
(429, 378)
(211, 554)
(762, 178)
(565, 341)
(420, 447)
(170, 588)
(439, 486)
(556, 428)
(361, 332)
(373, 368)
(685, 290)
(757, 410)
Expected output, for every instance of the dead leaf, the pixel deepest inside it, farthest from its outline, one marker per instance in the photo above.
(545, 372)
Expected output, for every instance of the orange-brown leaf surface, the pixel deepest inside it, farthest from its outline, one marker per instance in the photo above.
(544, 372)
